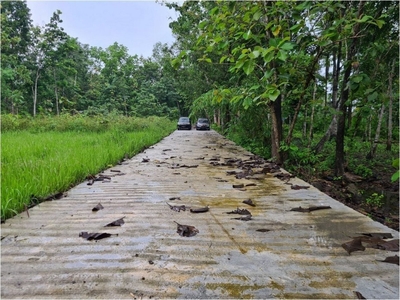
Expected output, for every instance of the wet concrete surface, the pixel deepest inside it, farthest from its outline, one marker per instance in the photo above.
(298, 256)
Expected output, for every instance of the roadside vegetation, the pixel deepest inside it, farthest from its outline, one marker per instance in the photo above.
(46, 156)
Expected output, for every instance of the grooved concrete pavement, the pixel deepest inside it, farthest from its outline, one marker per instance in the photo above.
(300, 256)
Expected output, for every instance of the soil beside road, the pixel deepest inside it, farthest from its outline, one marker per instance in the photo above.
(172, 224)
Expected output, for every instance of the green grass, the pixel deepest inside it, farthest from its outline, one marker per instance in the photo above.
(36, 163)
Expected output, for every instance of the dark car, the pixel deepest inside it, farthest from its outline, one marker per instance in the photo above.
(184, 123)
(203, 124)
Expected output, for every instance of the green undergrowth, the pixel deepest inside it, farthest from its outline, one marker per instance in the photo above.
(37, 162)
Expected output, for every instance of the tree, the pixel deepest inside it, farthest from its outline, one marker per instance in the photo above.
(15, 39)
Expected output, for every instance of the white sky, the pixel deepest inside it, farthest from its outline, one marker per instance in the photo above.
(138, 25)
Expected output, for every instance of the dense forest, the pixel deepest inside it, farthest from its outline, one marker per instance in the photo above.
(311, 84)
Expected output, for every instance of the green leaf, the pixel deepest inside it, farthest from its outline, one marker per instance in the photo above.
(202, 24)
(372, 96)
(396, 163)
(236, 98)
(276, 30)
(287, 46)
(380, 23)
(274, 94)
(395, 176)
(248, 66)
(269, 57)
(268, 74)
(176, 63)
(255, 54)
(282, 55)
(364, 19)
(257, 15)
(239, 64)
(214, 11)
(274, 42)
(247, 35)
(247, 102)
(368, 91)
(254, 87)
(357, 78)
(303, 5)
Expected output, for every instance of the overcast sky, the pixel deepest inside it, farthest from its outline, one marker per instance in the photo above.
(138, 25)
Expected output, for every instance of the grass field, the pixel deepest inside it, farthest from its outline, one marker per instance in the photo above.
(51, 156)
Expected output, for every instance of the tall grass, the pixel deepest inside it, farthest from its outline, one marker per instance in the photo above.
(36, 162)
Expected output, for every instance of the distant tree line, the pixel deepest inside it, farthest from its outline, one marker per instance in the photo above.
(46, 71)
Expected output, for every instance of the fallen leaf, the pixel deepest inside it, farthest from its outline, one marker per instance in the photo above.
(391, 260)
(118, 222)
(238, 186)
(240, 211)
(298, 187)
(177, 208)
(383, 235)
(199, 210)
(97, 207)
(310, 209)
(94, 236)
(392, 245)
(102, 178)
(249, 202)
(186, 230)
(353, 245)
(358, 295)
(230, 172)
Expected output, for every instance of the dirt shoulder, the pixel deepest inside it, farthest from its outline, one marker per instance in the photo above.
(355, 191)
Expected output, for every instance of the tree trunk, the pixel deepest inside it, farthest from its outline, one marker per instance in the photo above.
(372, 152)
(327, 67)
(276, 132)
(390, 117)
(369, 131)
(56, 92)
(35, 91)
(307, 82)
(349, 114)
(344, 96)
(310, 135)
(332, 129)
(305, 124)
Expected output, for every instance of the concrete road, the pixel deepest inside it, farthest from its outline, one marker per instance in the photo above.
(278, 253)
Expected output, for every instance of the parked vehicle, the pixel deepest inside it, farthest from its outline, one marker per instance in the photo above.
(203, 124)
(184, 123)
